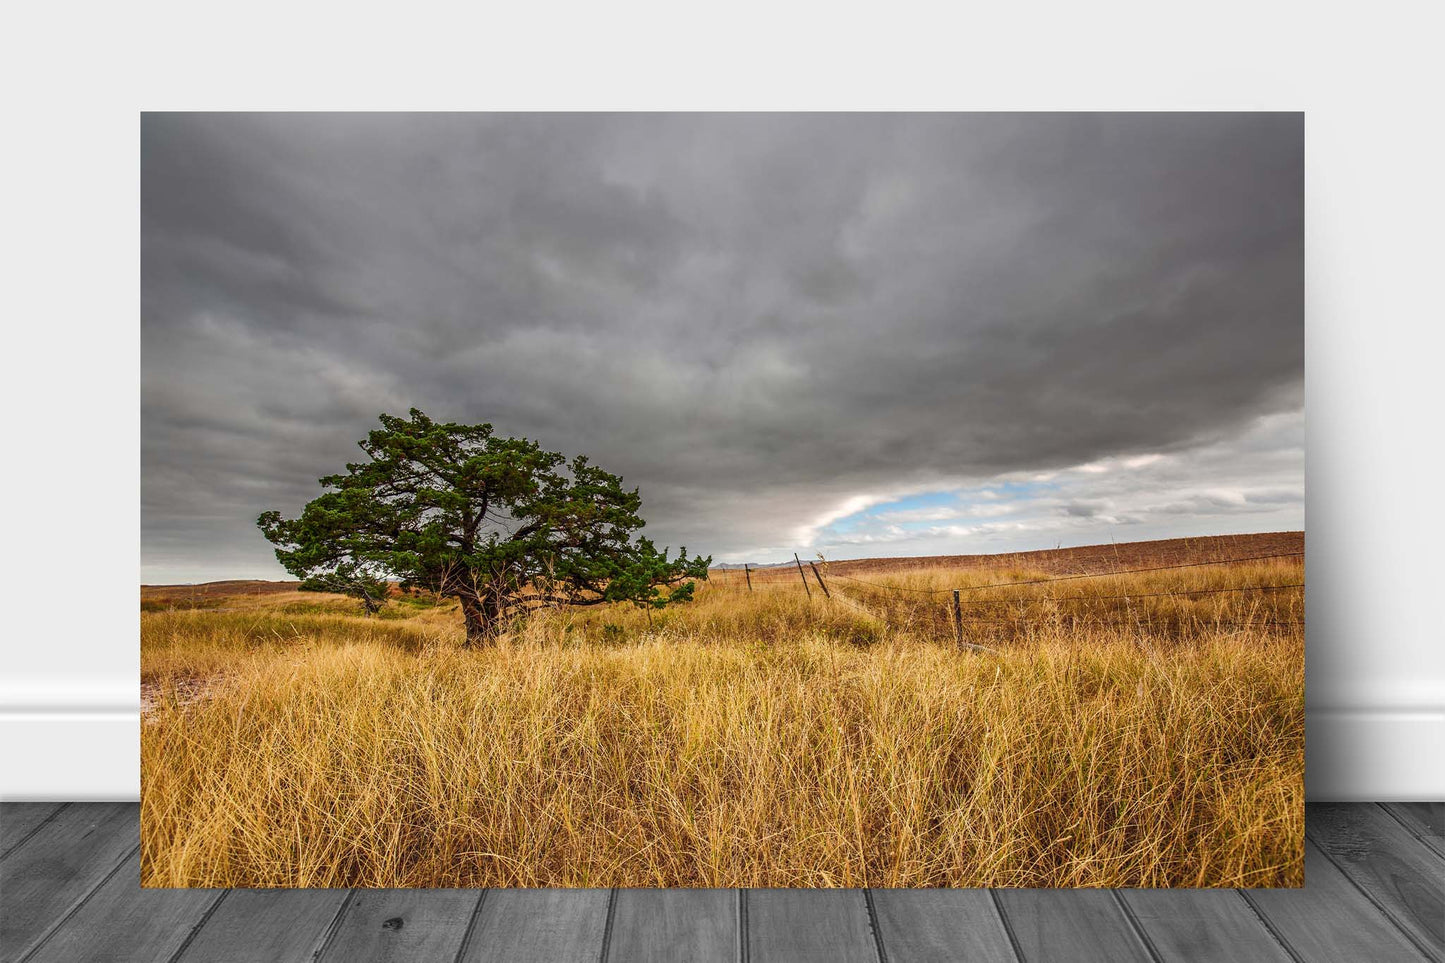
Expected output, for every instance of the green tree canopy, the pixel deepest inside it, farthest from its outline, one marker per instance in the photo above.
(497, 523)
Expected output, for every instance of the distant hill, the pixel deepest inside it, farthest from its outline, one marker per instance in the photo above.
(1099, 558)
(227, 586)
(730, 566)
(1083, 558)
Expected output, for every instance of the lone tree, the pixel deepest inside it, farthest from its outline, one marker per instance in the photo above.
(497, 523)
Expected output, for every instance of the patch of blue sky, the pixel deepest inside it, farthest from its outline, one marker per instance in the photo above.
(868, 517)
(923, 510)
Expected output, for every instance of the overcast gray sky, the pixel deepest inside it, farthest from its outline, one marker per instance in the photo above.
(856, 334)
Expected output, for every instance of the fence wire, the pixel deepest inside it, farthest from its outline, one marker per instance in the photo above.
(1067, 578)
(950, 623)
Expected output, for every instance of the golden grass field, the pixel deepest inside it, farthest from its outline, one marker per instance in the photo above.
(764, 738)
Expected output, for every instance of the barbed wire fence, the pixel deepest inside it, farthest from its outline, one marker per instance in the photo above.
(914, 607)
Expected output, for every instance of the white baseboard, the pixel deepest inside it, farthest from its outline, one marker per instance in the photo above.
(1359, 754)
(70, 739)
(93, 755)
(73, 753)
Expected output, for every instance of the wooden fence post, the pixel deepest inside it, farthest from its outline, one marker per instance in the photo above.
(819, 578)
(749, 576)
(957, 619)
(802, 576)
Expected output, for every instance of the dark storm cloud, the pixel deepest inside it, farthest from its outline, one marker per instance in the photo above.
(753, 317)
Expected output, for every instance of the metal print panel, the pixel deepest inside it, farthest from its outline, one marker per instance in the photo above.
(983, 434)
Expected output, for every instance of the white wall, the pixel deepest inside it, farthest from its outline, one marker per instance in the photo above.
(1375, 668)
(1376, 663)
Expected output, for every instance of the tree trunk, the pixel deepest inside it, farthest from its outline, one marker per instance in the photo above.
(480, 622)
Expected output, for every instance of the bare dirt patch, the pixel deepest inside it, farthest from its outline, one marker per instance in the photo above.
(184, 693)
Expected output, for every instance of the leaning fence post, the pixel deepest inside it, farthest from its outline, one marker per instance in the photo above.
(819, 578)
(957, 619)
(749, 575)
(801, 575)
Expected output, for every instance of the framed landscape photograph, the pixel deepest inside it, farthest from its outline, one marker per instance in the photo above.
(719, 500)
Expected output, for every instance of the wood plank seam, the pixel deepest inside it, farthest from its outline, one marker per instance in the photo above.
(35, 829)
(1423, 949)
(1268, 928)
(75, 907)
(1008, 927)
(1425, 841)
(1137, 927)
(607, 925)
(471, 927)
(743, 952)
(1269, 925)
(196, 929)
(335, 926)
(874, 926)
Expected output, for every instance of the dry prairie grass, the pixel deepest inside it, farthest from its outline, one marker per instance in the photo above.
(749, 739)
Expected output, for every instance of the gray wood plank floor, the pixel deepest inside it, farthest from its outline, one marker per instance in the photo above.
(69, 890)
